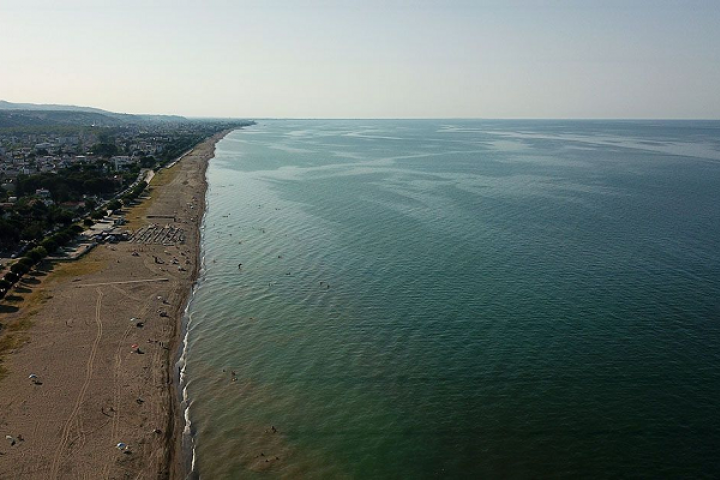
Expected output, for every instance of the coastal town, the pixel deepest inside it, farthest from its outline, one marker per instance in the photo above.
(52, 176)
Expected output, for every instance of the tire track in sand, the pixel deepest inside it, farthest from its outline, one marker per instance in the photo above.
(116, 399)
(117, 370)
(54, 469)
(116, 396)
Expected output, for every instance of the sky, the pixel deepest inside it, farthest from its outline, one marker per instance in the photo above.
(367, 59)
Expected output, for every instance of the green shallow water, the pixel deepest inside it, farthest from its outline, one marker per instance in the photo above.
(459, 299)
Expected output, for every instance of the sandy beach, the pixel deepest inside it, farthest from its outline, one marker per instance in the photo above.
(100, 335)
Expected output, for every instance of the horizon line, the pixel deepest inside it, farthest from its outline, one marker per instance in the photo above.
(615, 119)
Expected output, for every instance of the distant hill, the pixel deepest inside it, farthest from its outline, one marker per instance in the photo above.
(4, 105)
(32, 114)
(40, 118)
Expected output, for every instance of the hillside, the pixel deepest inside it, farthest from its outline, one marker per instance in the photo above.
(30, 114)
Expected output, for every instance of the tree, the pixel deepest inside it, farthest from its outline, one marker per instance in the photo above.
(147, 162)
(11, 277)
(88, 222)
(27, 261)
(33, 231)
(105, 150)
(65, 217)
(37, 254)
(114, 205)
(9, 233)
(5, 285)
(61, 238)
(19, 269)
(49, 245)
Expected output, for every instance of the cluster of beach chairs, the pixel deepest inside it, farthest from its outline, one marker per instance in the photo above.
(159, 235)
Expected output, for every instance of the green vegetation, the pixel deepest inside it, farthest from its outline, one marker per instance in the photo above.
(29, 221)
(134, 192)
(37, 254)
(105, 150)
(70, 184)
(179, 146)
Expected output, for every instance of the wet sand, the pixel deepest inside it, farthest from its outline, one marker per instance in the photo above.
(102, 378)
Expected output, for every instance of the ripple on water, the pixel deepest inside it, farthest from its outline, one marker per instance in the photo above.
(408, 313)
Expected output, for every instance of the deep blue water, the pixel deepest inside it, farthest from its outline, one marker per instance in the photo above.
(459, 299)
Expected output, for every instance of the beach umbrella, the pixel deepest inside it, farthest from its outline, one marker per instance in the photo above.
(121, 446)
(134, 346)
(32, 376)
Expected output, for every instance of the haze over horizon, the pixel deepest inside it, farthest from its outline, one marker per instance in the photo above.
(342, 59)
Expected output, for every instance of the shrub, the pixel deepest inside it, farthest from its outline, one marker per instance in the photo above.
(27, 260)
(11, 277)
(65, 217)
(49, 245)
(37, 254)
(5, 285)
(61, 238)
(19, 269)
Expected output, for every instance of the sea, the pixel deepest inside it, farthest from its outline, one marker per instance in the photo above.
(412, 299)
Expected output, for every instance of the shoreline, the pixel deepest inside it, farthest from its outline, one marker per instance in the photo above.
(178, 462)
(102, 379)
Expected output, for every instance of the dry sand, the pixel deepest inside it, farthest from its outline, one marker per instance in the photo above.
(94, 390)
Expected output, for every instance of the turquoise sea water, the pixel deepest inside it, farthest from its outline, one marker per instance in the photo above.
(459, 299)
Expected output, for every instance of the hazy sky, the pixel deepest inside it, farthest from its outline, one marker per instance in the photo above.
(378, 59)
